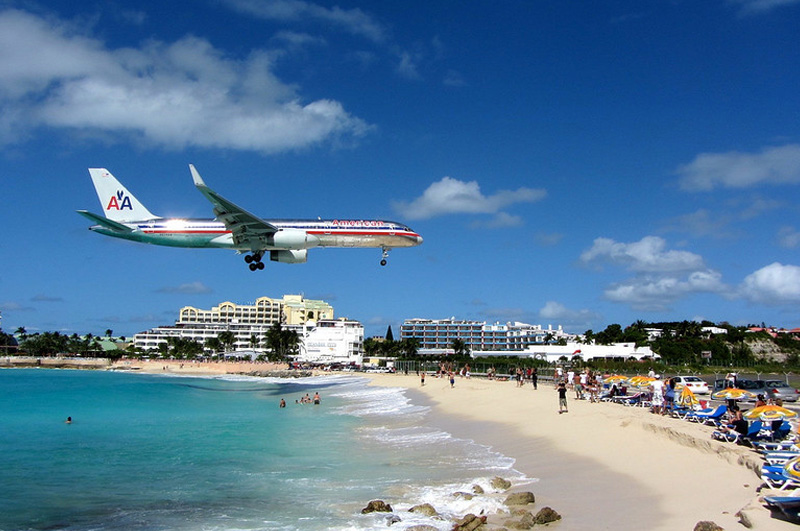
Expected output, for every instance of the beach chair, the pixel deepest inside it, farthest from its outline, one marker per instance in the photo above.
(755, 430)
(786, 445)
(789, 506)
(714, 418)
(779, 458)
(627, 400)
(775, 477)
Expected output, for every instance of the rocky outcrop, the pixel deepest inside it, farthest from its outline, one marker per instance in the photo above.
(707, 526)
(546, 515)
(425, 509)
(499, 483)
(469, 522)
(520, 498)
(377, 506)
(279, 374)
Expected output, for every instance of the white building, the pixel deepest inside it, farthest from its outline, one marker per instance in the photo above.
(478, 335)
(556, 353)
(249, 323)
(329, 341)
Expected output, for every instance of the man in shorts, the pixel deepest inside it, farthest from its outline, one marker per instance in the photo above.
(562, 398)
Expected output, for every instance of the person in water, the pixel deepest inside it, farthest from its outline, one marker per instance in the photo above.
(316, 398)
(283, 403)
(68, 421)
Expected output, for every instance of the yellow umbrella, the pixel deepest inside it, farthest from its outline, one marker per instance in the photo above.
(769, 413)
(733, 393)
(792, 468)
(615, 378)
(687, 398)
(644, 381)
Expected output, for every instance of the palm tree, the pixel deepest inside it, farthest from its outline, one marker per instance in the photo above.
(227, 338)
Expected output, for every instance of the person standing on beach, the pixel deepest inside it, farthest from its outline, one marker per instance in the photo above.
(534, 379)
(452, 380)
(422, 379)
(562, 398)
(657, 387)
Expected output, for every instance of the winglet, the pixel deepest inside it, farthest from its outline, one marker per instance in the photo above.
(198, 181)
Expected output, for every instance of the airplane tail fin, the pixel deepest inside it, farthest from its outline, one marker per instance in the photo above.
(117, 202)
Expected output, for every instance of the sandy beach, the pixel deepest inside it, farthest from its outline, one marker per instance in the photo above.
(602, 465)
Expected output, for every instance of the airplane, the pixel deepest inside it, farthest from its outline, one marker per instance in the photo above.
(286, 240)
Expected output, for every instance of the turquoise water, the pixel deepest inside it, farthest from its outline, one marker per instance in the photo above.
(153, 452)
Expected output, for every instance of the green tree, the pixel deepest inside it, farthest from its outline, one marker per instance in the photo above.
(227, 339)
(281, 343)
(460, 347)
(213, 344)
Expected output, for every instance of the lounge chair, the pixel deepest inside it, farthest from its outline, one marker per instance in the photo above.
(779, 458)
(776, 478)
(713, 418)
(755, 431)
(788, 505)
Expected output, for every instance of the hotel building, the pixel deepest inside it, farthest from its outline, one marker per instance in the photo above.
(438, 334)
(312, 320)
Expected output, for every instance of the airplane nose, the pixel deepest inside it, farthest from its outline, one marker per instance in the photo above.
(419, 240)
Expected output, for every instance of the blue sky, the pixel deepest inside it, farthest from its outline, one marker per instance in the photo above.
(567, 163)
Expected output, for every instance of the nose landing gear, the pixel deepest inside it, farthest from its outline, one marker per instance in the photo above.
(254, 260)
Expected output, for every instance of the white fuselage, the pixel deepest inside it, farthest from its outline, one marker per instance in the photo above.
(293, 234)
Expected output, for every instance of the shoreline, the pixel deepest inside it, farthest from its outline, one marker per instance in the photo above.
(602, 465)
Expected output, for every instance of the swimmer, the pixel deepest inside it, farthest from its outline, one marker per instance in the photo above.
(316, 398)
(283, 403)
(68, 421)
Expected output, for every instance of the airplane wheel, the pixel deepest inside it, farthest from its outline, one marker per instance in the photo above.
(253, 266)
(248, 258)
(383, 262)
(260, 265)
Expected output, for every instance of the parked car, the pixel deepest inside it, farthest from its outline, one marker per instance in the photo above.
(769, 388)
(777, 389)
(695, 384)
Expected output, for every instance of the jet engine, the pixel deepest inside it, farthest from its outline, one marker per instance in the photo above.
(293, 239)
(293, 256)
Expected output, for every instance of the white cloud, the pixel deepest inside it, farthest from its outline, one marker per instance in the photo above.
(185, 93)
(556, 312)
(773, 284)
(656, 293)
(451, 196)
(661, 277)
(190, 288)
(788, 237)
(646, 255)
(776, 165)
(353, 21)
(499, 221)
(749, 7)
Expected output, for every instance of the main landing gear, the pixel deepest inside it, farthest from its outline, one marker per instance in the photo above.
(254, 260)
(384, 256)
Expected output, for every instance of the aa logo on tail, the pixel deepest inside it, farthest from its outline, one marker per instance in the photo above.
(119, 202)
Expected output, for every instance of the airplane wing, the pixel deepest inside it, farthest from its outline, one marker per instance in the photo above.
(105, 222)
(246, 228)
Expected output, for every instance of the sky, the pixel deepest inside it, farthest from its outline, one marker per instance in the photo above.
(567, 163)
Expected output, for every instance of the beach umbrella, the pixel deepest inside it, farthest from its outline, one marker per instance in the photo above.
(792, 468)
(615, 378)
(733, 393)
(644, 381)
(687, 398)
(769, 413)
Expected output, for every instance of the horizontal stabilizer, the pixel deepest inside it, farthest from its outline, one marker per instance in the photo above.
(105, 222)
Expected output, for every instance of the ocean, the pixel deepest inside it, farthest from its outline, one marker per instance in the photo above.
(158, 452)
